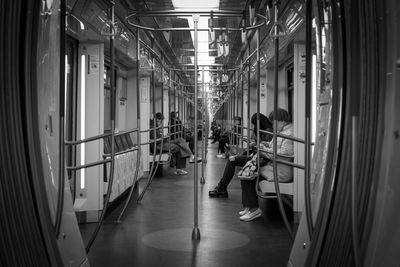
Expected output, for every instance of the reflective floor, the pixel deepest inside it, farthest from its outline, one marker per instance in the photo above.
(158, 231)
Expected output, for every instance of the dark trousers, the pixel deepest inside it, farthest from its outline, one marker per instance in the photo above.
(229, 171)
(221, 144)
(190, 139)
(180, 162)
(249, 195)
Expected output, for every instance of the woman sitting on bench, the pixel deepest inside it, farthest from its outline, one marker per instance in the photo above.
(178, 148)
(285, 173)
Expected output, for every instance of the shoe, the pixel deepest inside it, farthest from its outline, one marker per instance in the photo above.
(251, 215)
(248, 177)
(243, 212)
(218, 193)
(180, 172)
(221, 156)
(192, 159)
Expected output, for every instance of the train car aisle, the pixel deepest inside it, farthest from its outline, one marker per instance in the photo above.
(157, 231)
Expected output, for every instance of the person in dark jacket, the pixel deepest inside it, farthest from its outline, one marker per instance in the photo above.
(240, 160)
(178, 132)
(224, 141)
(179, 150)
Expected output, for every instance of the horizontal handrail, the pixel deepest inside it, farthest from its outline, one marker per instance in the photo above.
(97, 137)
(299, 140)
(100, 162)
(86, 140)
(135, 148)
(285, 162)
(151, 129)
(127, 131)
(189, 13)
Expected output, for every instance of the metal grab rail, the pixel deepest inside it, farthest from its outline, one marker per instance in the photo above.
(173, 13)
(134, 148)
(153, 170)
(96, 163)
(97, 137)
(61, 160)
(293, 138)
(86, 140)
(112, 117)
(139, 131)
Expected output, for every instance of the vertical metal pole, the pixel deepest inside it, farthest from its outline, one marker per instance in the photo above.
(276, 88)
(196, 231)
(153, 107)
(235, 105)
(61, 159)
(242, 109)
(248, 102)
(180, 102)
(202, 180)
(162, 91)
(258, 97)
(176, 134)
(169, 109)
(182, 117)
(112, 115)
(139, 151)
(307, 151)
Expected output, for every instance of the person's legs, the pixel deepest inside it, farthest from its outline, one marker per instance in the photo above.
(249, 195)
(221, 145)
(183, 147)
(180, 164)
(249, 200)
(229, 172)
(190, 139)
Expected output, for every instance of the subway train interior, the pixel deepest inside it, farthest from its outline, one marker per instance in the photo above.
(199, 133)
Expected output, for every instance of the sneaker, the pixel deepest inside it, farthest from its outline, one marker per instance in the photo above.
(251, 215)
(218, 193)
(180, 172)
(221, 156)
(243, 212)
(192, 159)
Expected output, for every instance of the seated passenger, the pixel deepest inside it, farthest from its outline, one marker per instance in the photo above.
(240, 160)
(216, 133)
(176, 128)
(180, 151)
(224, 140)
(285, 173)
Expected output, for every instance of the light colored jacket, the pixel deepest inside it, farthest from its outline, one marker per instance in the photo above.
(284, 148)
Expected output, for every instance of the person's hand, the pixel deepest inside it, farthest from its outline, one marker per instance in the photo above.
(232, 158)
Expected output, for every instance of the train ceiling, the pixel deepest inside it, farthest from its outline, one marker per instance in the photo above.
(177, 46)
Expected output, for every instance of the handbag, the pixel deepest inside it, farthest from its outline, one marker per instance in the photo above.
(249, 170)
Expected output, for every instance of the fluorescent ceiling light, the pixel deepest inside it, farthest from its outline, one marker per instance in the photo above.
(196, 4)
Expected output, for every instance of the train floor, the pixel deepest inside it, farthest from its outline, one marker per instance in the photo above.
(158, 230)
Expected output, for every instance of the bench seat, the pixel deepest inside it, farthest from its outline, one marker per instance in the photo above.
(163, 160)
(269, 187)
